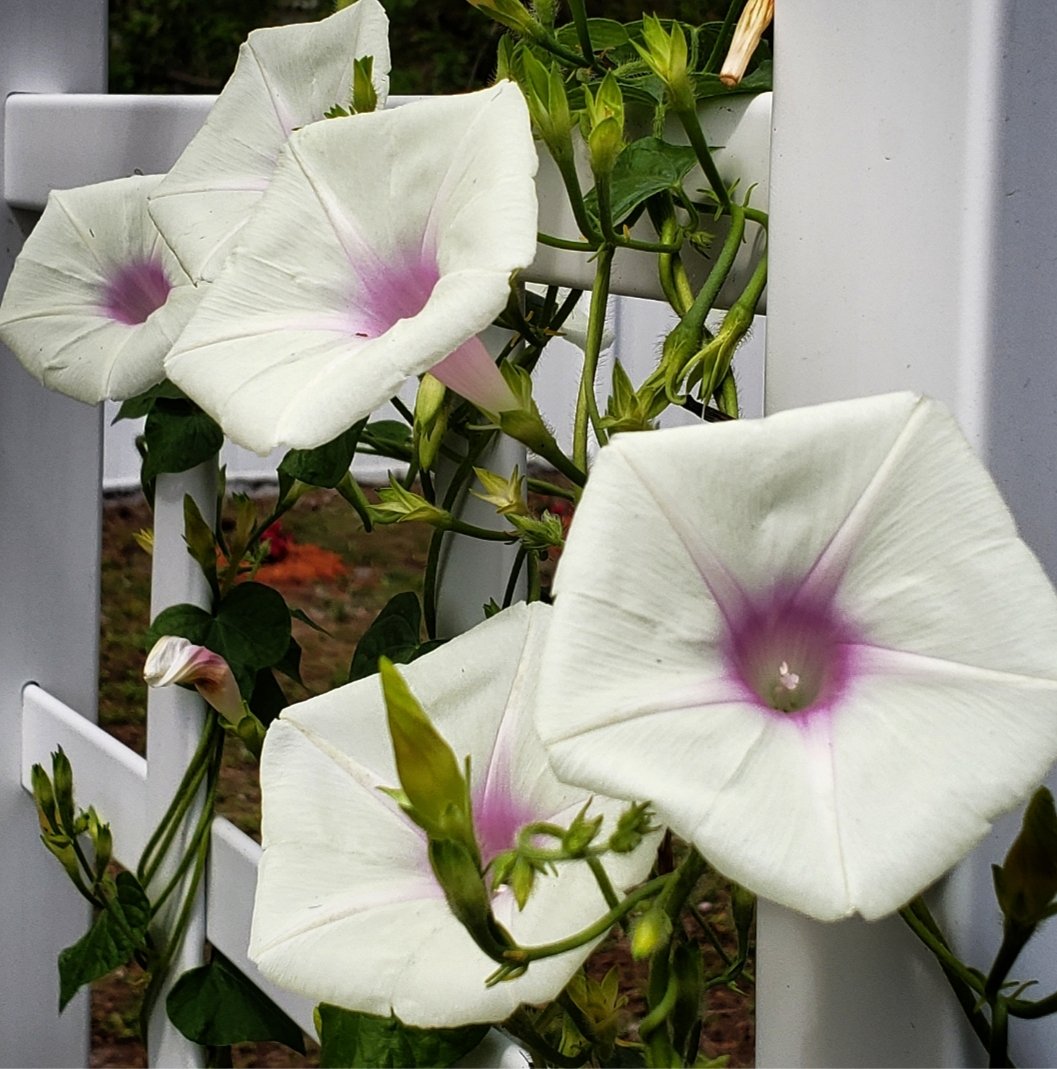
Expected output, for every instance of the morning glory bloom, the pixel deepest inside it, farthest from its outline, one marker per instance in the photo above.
(383, 246)
(348, 910)
(174, 660)
(286, 77)
(96, 298)
(814, 642)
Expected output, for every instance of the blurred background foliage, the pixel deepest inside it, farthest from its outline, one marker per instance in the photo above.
(438, 46)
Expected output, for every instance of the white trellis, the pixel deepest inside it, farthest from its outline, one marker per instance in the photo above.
(913, 245)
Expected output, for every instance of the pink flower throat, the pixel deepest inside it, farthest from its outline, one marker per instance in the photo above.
(137, 289)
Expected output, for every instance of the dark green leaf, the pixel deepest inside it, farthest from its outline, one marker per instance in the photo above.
(300, 614)
(645, 167)
(179, 435)
(707, 86)
(605, 35)
(251, 629)
(215, 1005)
(139, 406)
(252, 626)
(352, 1040)
(395, 633)
(389, 437)
(188, 621)
(290, 662)
(267, 700)
(116, 934)
(326, 465)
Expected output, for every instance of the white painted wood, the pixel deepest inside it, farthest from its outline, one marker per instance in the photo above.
(175, 717)
(55, 141)
(117, 135)
(49, 529)
(914, 243)
(107, 774)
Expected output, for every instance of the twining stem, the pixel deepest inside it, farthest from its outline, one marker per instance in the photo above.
(524, 955)
(583, 35)
(586, 402)
(605, 885)
(541, 486)
(688, 118)
(515, 571)
(719, 49)
(163, 834)
(967, 987)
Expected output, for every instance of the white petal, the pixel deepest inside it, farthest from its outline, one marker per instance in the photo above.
(286, 77)
(54, 314)
(347, 910)
(302, 334)
(946, 639)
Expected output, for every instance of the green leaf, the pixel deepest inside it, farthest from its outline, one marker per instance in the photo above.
(267, 700)
(353, 1040)
(250, 630)
(605, 35)
(645, 167)
(117, 933)
(707, 86)
(396, 633)
(325, 465)
(215, 1005)
(139, 406)
(389, 438)
(179, 435)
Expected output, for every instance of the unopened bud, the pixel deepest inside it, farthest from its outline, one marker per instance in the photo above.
(650, 932)
(175, 660)
(1026, 882)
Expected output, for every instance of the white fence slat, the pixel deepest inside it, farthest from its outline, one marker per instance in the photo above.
(106, 773)
(914, 238)
(49, 530)
(174, 724)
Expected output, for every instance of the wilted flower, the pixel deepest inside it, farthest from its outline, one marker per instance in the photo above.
(96, 298)
(755, 17)
(286, 77)
(348, 909)
(385, 243)
(814, 642)
(175, 660)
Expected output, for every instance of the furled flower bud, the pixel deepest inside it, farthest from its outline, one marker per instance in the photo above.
(1026, 882)
(397, 505)
(176, 660)
(755, 18)
(666, 55)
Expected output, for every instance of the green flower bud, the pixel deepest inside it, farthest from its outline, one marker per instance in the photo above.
(437, 792)
(507, 495)
(398, 505)
(44, 796)
(431, 419)
(548, 103)
(628, 410)
(539, 534)
(364, 95)
(666, 55)
(650, 932)
(1026, 882)
(633, 824)
(62, 784)
(459, 876)
(511, 14)
(581, 833)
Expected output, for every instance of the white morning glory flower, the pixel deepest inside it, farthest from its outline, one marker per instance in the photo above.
(814, 642)
(384, 243)
(286, 77)
(348, 910)
(96, 297)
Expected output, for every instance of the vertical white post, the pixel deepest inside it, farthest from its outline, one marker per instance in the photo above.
(914, 246)
(471, 570)
(49, 583)
(174, 725)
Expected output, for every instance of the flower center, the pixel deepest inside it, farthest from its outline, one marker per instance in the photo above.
(391, 291)
(136, 290)
(497, 817)
(789, 651)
